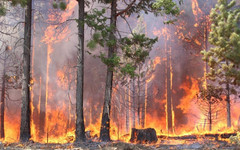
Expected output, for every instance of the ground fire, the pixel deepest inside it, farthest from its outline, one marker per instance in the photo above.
(144, 70)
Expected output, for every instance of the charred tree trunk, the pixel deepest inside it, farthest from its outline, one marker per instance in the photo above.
(80, 128)
(105, 124)
(228, 106)
(143, 136)
(3, 97)
(133, 104)
(25, 108)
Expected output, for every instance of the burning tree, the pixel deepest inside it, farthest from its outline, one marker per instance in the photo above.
(25, 110)
(130, 96)
(194, 32)
(10, 61)
(10, 80)
(142, 71)
(127, 68)
(106, 35)
(132, 92)
(224, 36)
(80, 127)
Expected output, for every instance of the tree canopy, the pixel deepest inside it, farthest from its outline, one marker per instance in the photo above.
(224, 57)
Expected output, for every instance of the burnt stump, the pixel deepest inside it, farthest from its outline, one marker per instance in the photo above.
(143, 136)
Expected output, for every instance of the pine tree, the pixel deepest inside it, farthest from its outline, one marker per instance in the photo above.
(4, 3)
(80, 127)
(223, 58)
(25, 109)
(106, 35)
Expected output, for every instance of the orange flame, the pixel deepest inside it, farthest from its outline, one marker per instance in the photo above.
(195, 9)
(55, 115)
(191, 89)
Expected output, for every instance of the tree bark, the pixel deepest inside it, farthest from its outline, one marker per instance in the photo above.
(127, 99)
(228, 106)
(105, 124)
(138, 101)
(25, 108)
(80, 128)
(143, 106)
(3, 98)
(133, 104)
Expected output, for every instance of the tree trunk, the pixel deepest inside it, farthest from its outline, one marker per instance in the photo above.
(42, 115)
(143, 106)
(25, 108)
(133, 104)
(80, 128)
(206, 70)
(143, 136)
(169, 96)
(204, 124)
(3, 97)
(228, 106)
(138, 102)
(210, 116)
(105, 124)
(127, 99)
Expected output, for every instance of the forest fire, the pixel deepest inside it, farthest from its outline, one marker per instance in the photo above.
(164, 98)
(57, 112)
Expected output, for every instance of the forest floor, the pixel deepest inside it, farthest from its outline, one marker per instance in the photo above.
(117, 145)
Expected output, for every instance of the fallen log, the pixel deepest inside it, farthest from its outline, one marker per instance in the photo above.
(184, 137)
(196, 136)
(143, 136)
(227, 135)
(215, 136)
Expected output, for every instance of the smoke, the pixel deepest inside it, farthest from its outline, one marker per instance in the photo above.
(54, 72)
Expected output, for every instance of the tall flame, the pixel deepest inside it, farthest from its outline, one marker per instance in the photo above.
(195, 9)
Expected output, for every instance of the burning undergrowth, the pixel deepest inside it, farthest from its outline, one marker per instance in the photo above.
(165, 99)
